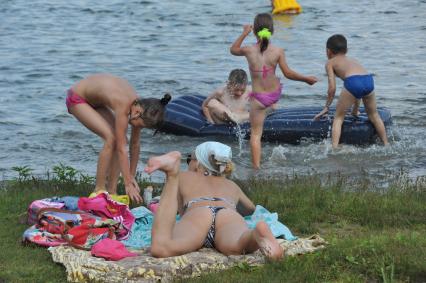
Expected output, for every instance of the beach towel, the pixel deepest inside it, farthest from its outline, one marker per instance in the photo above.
(103, 205)
(277, 228)
(82, 267)
(58, 227)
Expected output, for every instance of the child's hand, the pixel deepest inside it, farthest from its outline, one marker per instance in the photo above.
(311, 80)
(322, 113)
(133, 191)
(247, 29)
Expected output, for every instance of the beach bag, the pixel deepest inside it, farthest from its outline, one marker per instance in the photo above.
(37, 205)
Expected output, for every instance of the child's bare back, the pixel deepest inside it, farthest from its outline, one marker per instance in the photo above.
(262, 67)
(344, 67)
(106, 90)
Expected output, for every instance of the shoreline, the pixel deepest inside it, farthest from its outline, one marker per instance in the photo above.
(372, 235)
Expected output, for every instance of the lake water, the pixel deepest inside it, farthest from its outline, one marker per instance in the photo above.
(182, 47)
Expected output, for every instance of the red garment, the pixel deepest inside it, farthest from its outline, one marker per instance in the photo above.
(111, 250)
(102, 205)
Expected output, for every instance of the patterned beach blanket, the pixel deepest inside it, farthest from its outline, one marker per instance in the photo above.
(82, 267)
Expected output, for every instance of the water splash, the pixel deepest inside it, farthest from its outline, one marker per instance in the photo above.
(240, 134)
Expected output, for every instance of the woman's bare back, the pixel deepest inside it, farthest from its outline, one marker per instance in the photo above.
(194, 185)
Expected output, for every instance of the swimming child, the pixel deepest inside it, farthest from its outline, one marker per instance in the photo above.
(229, 103)
(106, 104)
(263, 59)
(358, 84)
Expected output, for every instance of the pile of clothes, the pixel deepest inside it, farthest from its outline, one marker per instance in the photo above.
(98, 224)
(103, 225)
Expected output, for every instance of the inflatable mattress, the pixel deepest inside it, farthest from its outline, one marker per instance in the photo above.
(287, 125)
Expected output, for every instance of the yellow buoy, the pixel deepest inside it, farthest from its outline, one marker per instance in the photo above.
(286, 7)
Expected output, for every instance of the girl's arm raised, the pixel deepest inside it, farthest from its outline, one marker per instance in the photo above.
(236, 48)
(132, 188)
(292, 75)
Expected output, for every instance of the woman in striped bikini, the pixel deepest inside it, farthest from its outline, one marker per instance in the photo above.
(207, 202)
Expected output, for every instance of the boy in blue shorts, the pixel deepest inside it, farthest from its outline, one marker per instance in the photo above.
(358, 84)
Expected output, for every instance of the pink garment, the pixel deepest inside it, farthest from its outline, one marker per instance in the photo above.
(267, 98)
(154, 206)
(102, 205)
(73, 99)
(264, 71)
(111, 250)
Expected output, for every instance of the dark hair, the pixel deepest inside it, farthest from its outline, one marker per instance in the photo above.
(337, 44)
(153, 110)
(238, 76)
(261, 21)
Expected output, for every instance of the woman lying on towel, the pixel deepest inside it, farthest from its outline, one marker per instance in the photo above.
(207, 203)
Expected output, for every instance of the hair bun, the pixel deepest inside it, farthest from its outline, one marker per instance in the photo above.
(166, 98)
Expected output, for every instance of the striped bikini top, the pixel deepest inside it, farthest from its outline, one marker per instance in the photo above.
(191, 202)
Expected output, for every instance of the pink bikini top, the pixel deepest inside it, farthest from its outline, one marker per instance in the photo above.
(264, 71)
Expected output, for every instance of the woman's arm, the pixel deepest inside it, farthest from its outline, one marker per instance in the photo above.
(132, 188)
(236, 48)
(292, 75)
(244, 206)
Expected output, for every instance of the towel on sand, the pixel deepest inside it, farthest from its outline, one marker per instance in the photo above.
(82, 267)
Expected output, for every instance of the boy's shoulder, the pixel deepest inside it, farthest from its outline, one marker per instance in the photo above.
(332, 62)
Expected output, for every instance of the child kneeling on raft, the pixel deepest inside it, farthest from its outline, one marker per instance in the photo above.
(229, 103)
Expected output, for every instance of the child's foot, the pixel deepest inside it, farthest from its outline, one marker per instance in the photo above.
(268, 245)
(169, 163)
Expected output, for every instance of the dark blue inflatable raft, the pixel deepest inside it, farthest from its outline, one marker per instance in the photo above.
(288, 125)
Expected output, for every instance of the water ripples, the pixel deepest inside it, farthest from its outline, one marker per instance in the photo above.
(183, 48)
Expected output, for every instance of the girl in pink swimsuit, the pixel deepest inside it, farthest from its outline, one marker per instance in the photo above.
(263, 59)
(107, 105)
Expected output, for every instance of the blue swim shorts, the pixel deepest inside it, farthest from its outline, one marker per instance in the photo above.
(359, 85)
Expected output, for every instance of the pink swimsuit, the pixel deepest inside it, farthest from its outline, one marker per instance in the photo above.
(267, 98)
(73, 98)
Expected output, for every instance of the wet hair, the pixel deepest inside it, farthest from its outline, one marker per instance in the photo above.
(261, 21)
(238, 77)
(337, 44)
(153, 110)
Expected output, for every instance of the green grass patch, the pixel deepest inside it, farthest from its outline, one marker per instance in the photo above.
(374, 234)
